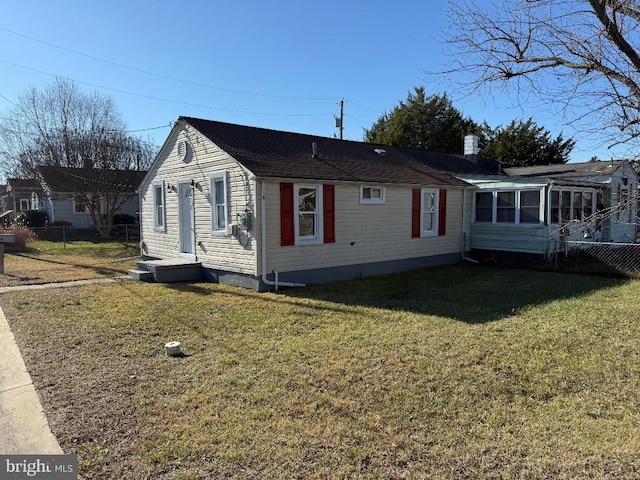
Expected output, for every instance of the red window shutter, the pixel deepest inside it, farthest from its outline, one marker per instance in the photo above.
(442, 212)
(329, 213)
(287, 230)
(415, 213)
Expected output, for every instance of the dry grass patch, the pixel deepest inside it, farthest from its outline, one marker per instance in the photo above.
(367, 379)
(48, 262)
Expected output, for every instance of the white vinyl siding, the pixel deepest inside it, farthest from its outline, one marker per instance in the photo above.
(361, 233)
(215, 251)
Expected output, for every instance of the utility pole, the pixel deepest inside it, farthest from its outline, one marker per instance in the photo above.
(340, 121)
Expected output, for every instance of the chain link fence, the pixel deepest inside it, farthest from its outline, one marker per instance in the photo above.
(584, 257)
(601, 258)
(63, 233)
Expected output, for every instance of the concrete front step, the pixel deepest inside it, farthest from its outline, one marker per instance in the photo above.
(141, 275)
(167, 271)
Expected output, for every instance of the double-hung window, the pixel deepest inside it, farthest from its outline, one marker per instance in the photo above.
(308, 201)
(307, 214)
(219, 202)
(506, 207)
(429, 212)
(158, 206)
(484, 207)
(529, 206)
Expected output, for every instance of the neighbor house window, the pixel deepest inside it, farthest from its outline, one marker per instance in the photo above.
(372, 195)
(308, 204)
(508, 206)
(219, 206)
(24, 204)
(571, 204)
(158, 206)
(79, 205)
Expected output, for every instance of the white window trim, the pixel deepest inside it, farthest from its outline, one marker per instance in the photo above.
(155, 186)
(436, 201)
(540, 192)
(214, 211)
(318, 238)
(494, 207)
(378, 201)
(594, 195)
(25, 200)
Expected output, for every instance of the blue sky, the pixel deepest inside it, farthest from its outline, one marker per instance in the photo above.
(281, 64)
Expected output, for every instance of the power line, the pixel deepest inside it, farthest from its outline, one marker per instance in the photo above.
(159, 75)
(160, 99)
(12, 103)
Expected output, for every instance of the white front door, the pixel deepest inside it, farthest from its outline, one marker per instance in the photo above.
(185, 217)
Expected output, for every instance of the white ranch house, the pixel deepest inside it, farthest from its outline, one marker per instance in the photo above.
(258, 207)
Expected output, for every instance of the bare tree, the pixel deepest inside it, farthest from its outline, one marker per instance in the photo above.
(84, 137)
(580, 55)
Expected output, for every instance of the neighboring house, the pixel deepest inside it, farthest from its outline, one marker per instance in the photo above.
(5, 211)
(534, 209)
(22, 195)
(257, 207)
(63, 202)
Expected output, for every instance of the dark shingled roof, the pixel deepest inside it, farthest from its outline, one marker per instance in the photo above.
(23, 184)
(567, 170)
(64, 179)
(277, 154)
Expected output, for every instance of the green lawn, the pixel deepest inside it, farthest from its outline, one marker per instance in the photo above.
(456, 372)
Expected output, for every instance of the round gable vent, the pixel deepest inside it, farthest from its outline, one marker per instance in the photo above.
(183, 150)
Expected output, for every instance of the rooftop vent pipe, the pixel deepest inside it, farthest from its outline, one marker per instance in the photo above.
(314, 149)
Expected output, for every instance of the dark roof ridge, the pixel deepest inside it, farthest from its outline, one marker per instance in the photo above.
(276, 153)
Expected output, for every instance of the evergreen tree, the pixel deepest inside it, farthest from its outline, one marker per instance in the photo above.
(523, 143)
(422, 122)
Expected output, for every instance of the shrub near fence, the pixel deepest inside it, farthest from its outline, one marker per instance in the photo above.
(65, 233)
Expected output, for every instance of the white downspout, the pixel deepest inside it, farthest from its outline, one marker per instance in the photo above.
(464, 225)
(263, 242)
